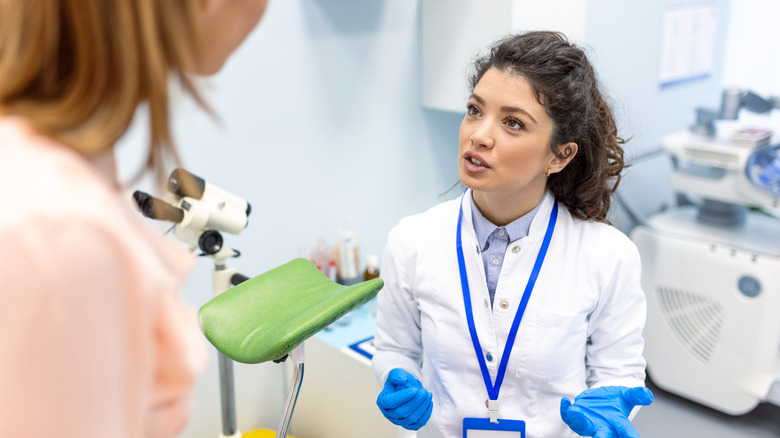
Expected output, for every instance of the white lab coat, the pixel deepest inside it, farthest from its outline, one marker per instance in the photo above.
(582, 326)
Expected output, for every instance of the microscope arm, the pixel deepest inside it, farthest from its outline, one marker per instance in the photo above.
(732, 100)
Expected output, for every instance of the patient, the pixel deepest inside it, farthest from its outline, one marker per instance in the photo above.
(95, 340)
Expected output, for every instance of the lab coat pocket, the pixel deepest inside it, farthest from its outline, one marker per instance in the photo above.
(551, 346)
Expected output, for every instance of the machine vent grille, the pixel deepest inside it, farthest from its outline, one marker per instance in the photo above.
(695, 319)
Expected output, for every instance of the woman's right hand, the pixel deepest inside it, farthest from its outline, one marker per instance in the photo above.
(404, 401)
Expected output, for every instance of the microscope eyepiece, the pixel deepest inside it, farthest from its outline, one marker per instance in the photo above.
(198, 205)
(155, 208)
(184, 184)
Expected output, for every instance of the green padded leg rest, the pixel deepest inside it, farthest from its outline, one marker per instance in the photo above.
(267, 316)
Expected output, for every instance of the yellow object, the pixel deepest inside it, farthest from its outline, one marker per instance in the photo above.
(261, 433)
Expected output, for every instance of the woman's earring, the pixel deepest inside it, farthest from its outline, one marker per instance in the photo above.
(547, 172)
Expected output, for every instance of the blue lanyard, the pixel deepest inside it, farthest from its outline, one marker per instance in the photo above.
(464, 281)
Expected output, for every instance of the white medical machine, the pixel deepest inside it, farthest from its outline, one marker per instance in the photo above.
(711, 269)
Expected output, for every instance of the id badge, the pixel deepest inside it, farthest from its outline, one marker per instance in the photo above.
(483, 428)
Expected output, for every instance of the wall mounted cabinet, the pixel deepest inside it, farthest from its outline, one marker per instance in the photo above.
(453, 32)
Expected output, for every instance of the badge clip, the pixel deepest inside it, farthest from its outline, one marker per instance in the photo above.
(493, 410)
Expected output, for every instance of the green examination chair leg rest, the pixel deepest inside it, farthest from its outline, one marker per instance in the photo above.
(270, 316)
(267, 316)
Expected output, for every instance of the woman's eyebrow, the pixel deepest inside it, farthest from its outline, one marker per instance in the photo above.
(506, 109)
(513, 109)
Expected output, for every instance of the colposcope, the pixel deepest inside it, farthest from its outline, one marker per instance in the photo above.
(201, 212)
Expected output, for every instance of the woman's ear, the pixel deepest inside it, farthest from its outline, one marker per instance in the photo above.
(225, 26)
(563, 156)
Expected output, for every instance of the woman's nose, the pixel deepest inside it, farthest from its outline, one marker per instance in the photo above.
(482, 136)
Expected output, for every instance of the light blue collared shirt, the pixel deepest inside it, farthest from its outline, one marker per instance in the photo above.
(493, 241)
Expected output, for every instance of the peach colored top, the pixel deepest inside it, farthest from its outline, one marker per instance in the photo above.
(94, 340)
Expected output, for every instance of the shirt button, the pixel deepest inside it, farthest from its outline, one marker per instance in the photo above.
(516, 249)
(504, 304)
(500, 232)
(496, 262)
(489, 357)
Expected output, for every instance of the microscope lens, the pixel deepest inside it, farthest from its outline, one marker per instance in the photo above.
(210, 242)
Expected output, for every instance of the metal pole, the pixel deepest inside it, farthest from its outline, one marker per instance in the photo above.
(227, 396)
(221, 281)
(295, 386)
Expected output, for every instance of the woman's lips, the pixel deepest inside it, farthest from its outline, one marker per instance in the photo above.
(474, 163)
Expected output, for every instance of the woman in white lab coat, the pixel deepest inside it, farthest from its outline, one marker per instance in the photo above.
(501, 306)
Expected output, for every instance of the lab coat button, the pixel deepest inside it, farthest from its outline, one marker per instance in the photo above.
(516, 249)
(504, 304)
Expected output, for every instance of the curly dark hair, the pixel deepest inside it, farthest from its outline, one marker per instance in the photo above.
(565, 84)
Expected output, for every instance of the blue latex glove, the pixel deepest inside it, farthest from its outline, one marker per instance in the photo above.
(404, 401)
(603, 412)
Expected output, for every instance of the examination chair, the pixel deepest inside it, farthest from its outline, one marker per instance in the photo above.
(268, 317)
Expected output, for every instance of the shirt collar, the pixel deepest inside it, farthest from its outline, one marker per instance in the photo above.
(515, 229)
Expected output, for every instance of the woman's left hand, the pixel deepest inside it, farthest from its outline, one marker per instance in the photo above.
(404, 401)
(603, 412)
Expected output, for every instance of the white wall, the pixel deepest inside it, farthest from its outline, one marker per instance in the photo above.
(753, 57)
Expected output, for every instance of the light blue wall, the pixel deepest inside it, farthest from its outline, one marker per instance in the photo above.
(320, 124)
(626, 41)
